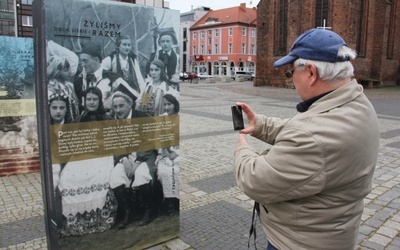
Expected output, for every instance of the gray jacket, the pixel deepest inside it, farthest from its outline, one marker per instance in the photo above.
(313, 181)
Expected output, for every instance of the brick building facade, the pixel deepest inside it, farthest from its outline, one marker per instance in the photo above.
(224, 41)
(371, 27)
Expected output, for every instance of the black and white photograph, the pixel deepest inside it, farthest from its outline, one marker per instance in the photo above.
(108, 62)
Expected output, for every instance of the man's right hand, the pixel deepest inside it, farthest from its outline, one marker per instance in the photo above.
(251, 117)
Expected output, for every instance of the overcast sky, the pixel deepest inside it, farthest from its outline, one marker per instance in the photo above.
(185, 5)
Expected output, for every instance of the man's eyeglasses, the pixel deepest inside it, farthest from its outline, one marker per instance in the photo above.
(289, 72)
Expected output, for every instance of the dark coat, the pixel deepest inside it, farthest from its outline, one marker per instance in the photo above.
(80, 88)
(171, 64)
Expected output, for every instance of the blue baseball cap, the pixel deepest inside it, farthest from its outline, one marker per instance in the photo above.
(315, 44)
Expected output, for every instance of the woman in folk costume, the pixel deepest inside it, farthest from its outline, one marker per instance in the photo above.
(94, 107)
(88, 205)
(168, 161)
(60, 112)
(123, 61)
(61, 67)
(151, 100)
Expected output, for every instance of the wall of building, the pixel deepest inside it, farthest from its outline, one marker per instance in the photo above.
(370, 27)
(226, 61)
(7, 18)
(187, 20)
(24, 11)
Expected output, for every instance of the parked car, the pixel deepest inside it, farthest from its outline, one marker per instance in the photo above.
(183, 76)
(192, 75)
(204, 76)
(243, 74)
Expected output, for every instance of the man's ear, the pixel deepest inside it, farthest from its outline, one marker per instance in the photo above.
(312, 73)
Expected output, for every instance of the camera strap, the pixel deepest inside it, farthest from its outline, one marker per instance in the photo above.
(256, 210)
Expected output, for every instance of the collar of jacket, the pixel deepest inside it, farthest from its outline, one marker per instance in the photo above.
(345, 93)
(303, 106)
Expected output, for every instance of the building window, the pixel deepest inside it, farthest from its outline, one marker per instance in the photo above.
(185, 40)
(251, 67)
(224, 68)
(7, 28)
(6, 9)
(216, 49)
(27, 21)
(361, 39)
(194, 50)
(184, 33)
(243, 31)
(203, 68)
(253, 32)
(209, 32)
(281, 29)
(252, 49)
(321, 13)
(209, 41)
(184, 63)
(27, 2)
(202, 50)
(194, 35)
(216, 68)
(194, 67)
(202, 34)
(216, 32)
(209, 52)
(241, 65)
(230, 31)
(232, 68)
(391, 33)
(230, 48)
(243, 48)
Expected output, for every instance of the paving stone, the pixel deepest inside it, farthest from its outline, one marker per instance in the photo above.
(395, 242)
(395, 204)
(396, 217)
(390, 195)
(215, 183)
(366, 244)
(366, 230)
(233, 221)
(388, 232)
(243, 197)
(380, 239)
(392, 224)
(384, 214)
(198, 193)
(177, 244)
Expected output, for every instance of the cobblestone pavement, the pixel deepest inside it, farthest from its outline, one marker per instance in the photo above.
(214, 213)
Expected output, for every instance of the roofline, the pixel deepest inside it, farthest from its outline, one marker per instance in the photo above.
(221, 25)
(192, 12)
(210, 14)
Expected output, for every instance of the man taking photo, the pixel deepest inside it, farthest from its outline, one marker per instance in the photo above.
(311, 184)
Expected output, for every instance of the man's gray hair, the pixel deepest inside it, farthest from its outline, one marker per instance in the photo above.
(331, 72)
